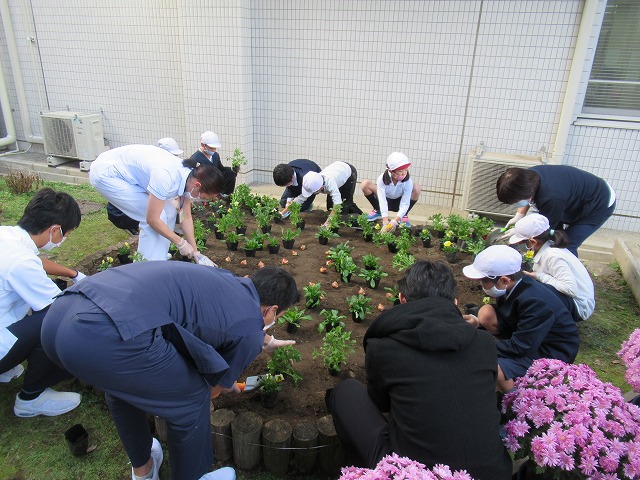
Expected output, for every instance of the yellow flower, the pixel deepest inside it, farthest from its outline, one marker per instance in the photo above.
(447, 243)
(486, 300)
(424, 231)
(109, 259)
(126, 244)
(529, 254)
(377, 226)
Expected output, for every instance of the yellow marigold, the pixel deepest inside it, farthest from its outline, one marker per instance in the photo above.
(529, 254)
(447, 243)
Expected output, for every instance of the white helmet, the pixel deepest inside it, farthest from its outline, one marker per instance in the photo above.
(210, 139)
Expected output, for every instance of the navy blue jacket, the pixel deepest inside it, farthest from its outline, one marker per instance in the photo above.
(198, 156)
(535, 324)
(215, 314)
(301, 167)
(570, 195)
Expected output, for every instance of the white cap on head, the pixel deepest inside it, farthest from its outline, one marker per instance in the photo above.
(398, 161)
(311, 183)
(529, 227)
(210, 139)
(170, 145)
(494, 261)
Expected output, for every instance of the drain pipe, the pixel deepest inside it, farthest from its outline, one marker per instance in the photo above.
(6, 113)
(17, 74)
(573, 82)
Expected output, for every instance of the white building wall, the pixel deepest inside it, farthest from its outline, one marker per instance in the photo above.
(322, 79)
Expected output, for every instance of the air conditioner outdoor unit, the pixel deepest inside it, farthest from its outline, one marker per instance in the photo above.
(483, 171)
(72, 135)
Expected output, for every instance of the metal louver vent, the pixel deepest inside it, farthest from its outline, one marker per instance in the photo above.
(77, 136)
(59, 135)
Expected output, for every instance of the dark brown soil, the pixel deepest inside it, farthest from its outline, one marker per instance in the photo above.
(307, 400)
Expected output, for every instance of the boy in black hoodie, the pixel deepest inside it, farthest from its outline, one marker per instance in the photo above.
(436, 377)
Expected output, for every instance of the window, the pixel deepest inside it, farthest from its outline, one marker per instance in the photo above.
(614, 85)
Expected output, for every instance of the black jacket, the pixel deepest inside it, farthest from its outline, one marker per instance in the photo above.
(301, 167)
(436, 376)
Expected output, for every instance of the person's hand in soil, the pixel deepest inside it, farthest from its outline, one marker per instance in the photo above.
(185, 248)
(472, 320)
(271, 345)
(390, 225)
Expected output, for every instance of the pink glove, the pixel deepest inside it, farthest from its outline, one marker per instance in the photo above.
(185, 248)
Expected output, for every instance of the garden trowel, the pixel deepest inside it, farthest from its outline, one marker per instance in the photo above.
(251, 383)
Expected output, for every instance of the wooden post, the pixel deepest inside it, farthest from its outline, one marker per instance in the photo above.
(245, 430)
(305, 435)
(330, 453)
(221, 434)
(161, 429)
(276, 440)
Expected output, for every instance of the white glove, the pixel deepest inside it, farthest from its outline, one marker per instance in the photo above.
(185, 248)
(513, 221)
(275, 343)
(202, 260)
(79, 276)
(393, 225)
(472, 320)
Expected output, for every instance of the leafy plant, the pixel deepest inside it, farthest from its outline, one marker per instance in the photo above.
(370, 276)
(438, 222)
(449, 247)
(294, 316)
(106, 262)
(481, 227)
(371, 261)
(290, 234)
(325, 232)
(240, 195)
(339, 250)
(272, 241)
(263, 216)
(124, 249)
(332, 319)
(359, 305)
(425, 234)
(384, 237)
(294, 212)
(476, 246)
(252, 243)
(346, 267)
(200, 232)
(393, 294)
(271, 383)
(365, 224)
(233, 237)
(282, 363)
(334, 218)
(22, 182)
(313, 293)
(235, 217)
(259, 237)
(404, 242)
(402, 260)
(137, 257)
(335, 349)
(238, 159)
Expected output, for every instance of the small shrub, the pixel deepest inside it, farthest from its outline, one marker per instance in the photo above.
(21, 182)
(282, 363)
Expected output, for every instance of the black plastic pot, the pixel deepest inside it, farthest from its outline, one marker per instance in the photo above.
(335, 229)
(268, 400)
(241, 230)
(393, 248)
(219, 235)
(292, 327)
(376, 283)
(60, 283)
(367, 237)
(355, 318)
(266, 229)
(452, 257)
(426, 242)
(273, 249)
(123, 258)
(301, 224)
(77, 440)
(249, 252)
(288, 244)
(233, 246)
(471, 309)
(323, 240)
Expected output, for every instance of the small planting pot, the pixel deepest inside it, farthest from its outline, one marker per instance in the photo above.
(527, 267)
(250, 252)
(426, 242)
(211, 225)
(60, 283)
(241, 230)
(288, 244)
(334, 372)
(273, 249)
(268, 399)
(77, 439)
(367, 237)
(393, 248)
(471, 309)
(277, 219)
(219, 235)
(451, 257)
(301, 224)
(232, 246)
(334, 229)
(347, 279)
(355, 318)
(396, 302)
(376, 283)
(123, 258)
(266, 229)
(292, 327)
(323, 240)
(438, 233)
(370, 267)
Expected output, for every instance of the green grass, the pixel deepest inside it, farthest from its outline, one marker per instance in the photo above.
(35, 448)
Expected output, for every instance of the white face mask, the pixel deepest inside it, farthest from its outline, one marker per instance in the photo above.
(190, 196)
(495, 292)
(267, 327)
(50, 245)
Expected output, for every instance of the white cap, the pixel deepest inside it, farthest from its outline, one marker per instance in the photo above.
(398, 161)
(311, 183)
(210, 139)
(170, 145)
(529, 227)
(494, 261)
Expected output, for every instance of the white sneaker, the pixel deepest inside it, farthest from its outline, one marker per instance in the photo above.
(224, 473)
(157, 457)
(49, 403)
(9, 375)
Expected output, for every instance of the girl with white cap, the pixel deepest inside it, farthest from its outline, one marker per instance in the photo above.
(394, 190)
(556, 266)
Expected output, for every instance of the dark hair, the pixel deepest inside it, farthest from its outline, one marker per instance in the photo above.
(517, 184)
(282, 174)
(560, 238)
(48, 207)
(428, 279)
(386, 178)
(209, 176)
(275, 286)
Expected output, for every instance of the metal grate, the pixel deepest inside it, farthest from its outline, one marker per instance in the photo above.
(59, 138)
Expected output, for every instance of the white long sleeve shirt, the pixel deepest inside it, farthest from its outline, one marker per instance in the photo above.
(562, 270)
(401, 190)
(335, 176)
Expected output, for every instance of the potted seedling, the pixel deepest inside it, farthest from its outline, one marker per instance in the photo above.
(481, 227)
(334, 219)
(371, 262)
(404, 241)
(200, 233)
(313, 294)
(346, 267)
(263, 219)
(124, 253)
(251, 244)
(273, 244)
(232, 241)
(335, 349)
(282, 360)
(106, 262)
(402, 260)
(384, 236)
(332, 319)
(438, 224)
(393, 294)
(289, 237)
(474, 247)
(527, 261)
(450, 250)
(366, 226)
(425, 236)
(269, 388)
(359, 306)
(138, 257)
(324, 234)
(372, 277)
(237, 160)
(292, 317)
(294, 215)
